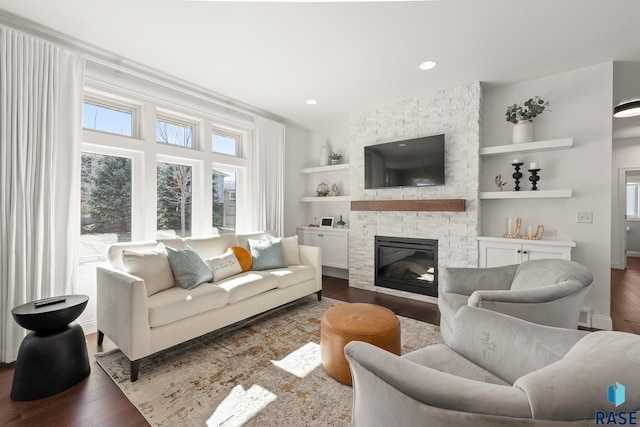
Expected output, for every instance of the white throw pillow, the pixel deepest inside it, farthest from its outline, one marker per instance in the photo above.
(223, 266)
(152, 266)
(291, 251)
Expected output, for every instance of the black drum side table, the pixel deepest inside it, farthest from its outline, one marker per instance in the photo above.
(54, 356)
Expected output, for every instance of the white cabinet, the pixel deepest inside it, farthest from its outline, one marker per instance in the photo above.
(333, 243)
(497, 251)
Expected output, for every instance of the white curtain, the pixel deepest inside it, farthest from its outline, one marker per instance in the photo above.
(40, 130)
(267, 176)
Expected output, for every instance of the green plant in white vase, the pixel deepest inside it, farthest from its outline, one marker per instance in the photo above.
(522, 115)
(335, 158)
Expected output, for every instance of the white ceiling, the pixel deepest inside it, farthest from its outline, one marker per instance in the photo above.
(348, 56)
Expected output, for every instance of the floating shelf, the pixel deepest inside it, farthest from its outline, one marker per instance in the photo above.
(539, 194)
(329, 168)
(528, 147)
(326, 199)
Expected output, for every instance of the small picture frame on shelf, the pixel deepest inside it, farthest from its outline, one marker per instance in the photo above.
(326, 222)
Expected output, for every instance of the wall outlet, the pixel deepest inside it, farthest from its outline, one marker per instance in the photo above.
(585, 217)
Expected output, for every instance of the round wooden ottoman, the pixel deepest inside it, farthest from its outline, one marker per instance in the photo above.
(355, 322)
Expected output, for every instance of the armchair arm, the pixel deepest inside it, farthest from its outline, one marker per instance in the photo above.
(122, 311)
(390, 390)
(467, 280)
(553, 305)
(310, 255)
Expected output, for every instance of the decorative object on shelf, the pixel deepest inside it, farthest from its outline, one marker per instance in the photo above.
(326, 222)
(534, 178)
(530, 234)
(322, 190)
(499, 182)
(335, 158)
(517, 174)
(522, 115)
(627, 109)
(324, 156)
(512, 227)
(334, 190)
(341, 223)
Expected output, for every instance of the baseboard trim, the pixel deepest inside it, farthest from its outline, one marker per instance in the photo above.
(601, 322)
(89, 326)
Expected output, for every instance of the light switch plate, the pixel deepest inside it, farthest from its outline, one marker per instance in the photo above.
(585, 217)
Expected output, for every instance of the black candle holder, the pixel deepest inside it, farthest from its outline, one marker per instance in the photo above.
(534, 178)
(517, 174)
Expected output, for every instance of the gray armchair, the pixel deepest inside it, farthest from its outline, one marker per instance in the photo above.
(498, 371)
(546, 291)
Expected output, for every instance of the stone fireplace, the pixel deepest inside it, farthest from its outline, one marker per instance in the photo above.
(454, 113)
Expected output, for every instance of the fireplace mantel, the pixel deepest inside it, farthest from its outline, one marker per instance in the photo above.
(432, 205)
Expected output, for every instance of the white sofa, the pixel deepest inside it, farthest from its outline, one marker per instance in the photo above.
(141, 323)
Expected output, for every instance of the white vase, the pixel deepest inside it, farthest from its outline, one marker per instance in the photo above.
(522, 132)
(324, 156)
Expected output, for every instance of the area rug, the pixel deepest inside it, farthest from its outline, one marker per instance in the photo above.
(263, 372)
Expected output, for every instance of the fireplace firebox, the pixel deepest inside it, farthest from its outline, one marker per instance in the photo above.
(407, 264)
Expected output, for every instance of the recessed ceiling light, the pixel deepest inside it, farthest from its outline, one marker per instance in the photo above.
(311, 101)
(428, 65)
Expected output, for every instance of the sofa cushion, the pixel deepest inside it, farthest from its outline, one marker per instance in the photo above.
(544, 272)
(211, 246)
(245, 285)
(243, 255)
(223, 266)
(114, 251)
(293, 275)
(243, 238)
(188, 268)
(177, 303)
(266, 254)
(290, 250)
(150, 265)
(442, 358)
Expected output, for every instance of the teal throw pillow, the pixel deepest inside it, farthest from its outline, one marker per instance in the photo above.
(266, 254)
(188, 268)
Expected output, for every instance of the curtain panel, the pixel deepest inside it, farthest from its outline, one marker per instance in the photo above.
(267, 176)
(40, 130)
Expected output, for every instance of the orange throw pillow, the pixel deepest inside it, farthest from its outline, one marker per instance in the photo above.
(243, 255)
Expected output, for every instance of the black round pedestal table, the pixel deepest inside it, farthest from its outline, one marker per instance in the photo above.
(54, 356)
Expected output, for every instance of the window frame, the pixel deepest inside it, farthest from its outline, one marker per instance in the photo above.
(112, 104)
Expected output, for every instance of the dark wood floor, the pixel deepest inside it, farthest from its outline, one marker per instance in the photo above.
(97, 401)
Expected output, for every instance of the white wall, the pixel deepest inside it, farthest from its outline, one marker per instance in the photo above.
(295, 153)
(581, 108)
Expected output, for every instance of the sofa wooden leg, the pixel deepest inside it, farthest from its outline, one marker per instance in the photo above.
(135, 367)
(100, 337)
(319, 293)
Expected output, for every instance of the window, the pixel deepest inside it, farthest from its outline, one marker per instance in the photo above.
(224, 144)
(632, 200)
(224, 200)
(107, 118)
(174, 200)
(174, 133)
(105, 203)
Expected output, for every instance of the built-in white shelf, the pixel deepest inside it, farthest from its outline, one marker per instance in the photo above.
(326, 199)
(543, 241)
(538, 194)
(528, 147)
(329, 168)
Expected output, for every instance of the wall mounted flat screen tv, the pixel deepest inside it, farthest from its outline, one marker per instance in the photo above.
(415, 162)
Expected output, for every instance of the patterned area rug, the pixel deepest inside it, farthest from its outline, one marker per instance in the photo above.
(263, 372)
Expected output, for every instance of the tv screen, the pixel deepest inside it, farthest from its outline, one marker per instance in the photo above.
(415, 162)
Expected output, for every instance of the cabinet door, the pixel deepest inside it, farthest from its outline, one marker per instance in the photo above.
(497, 254)
(335, 249)
(309, 238)
(531, 252)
